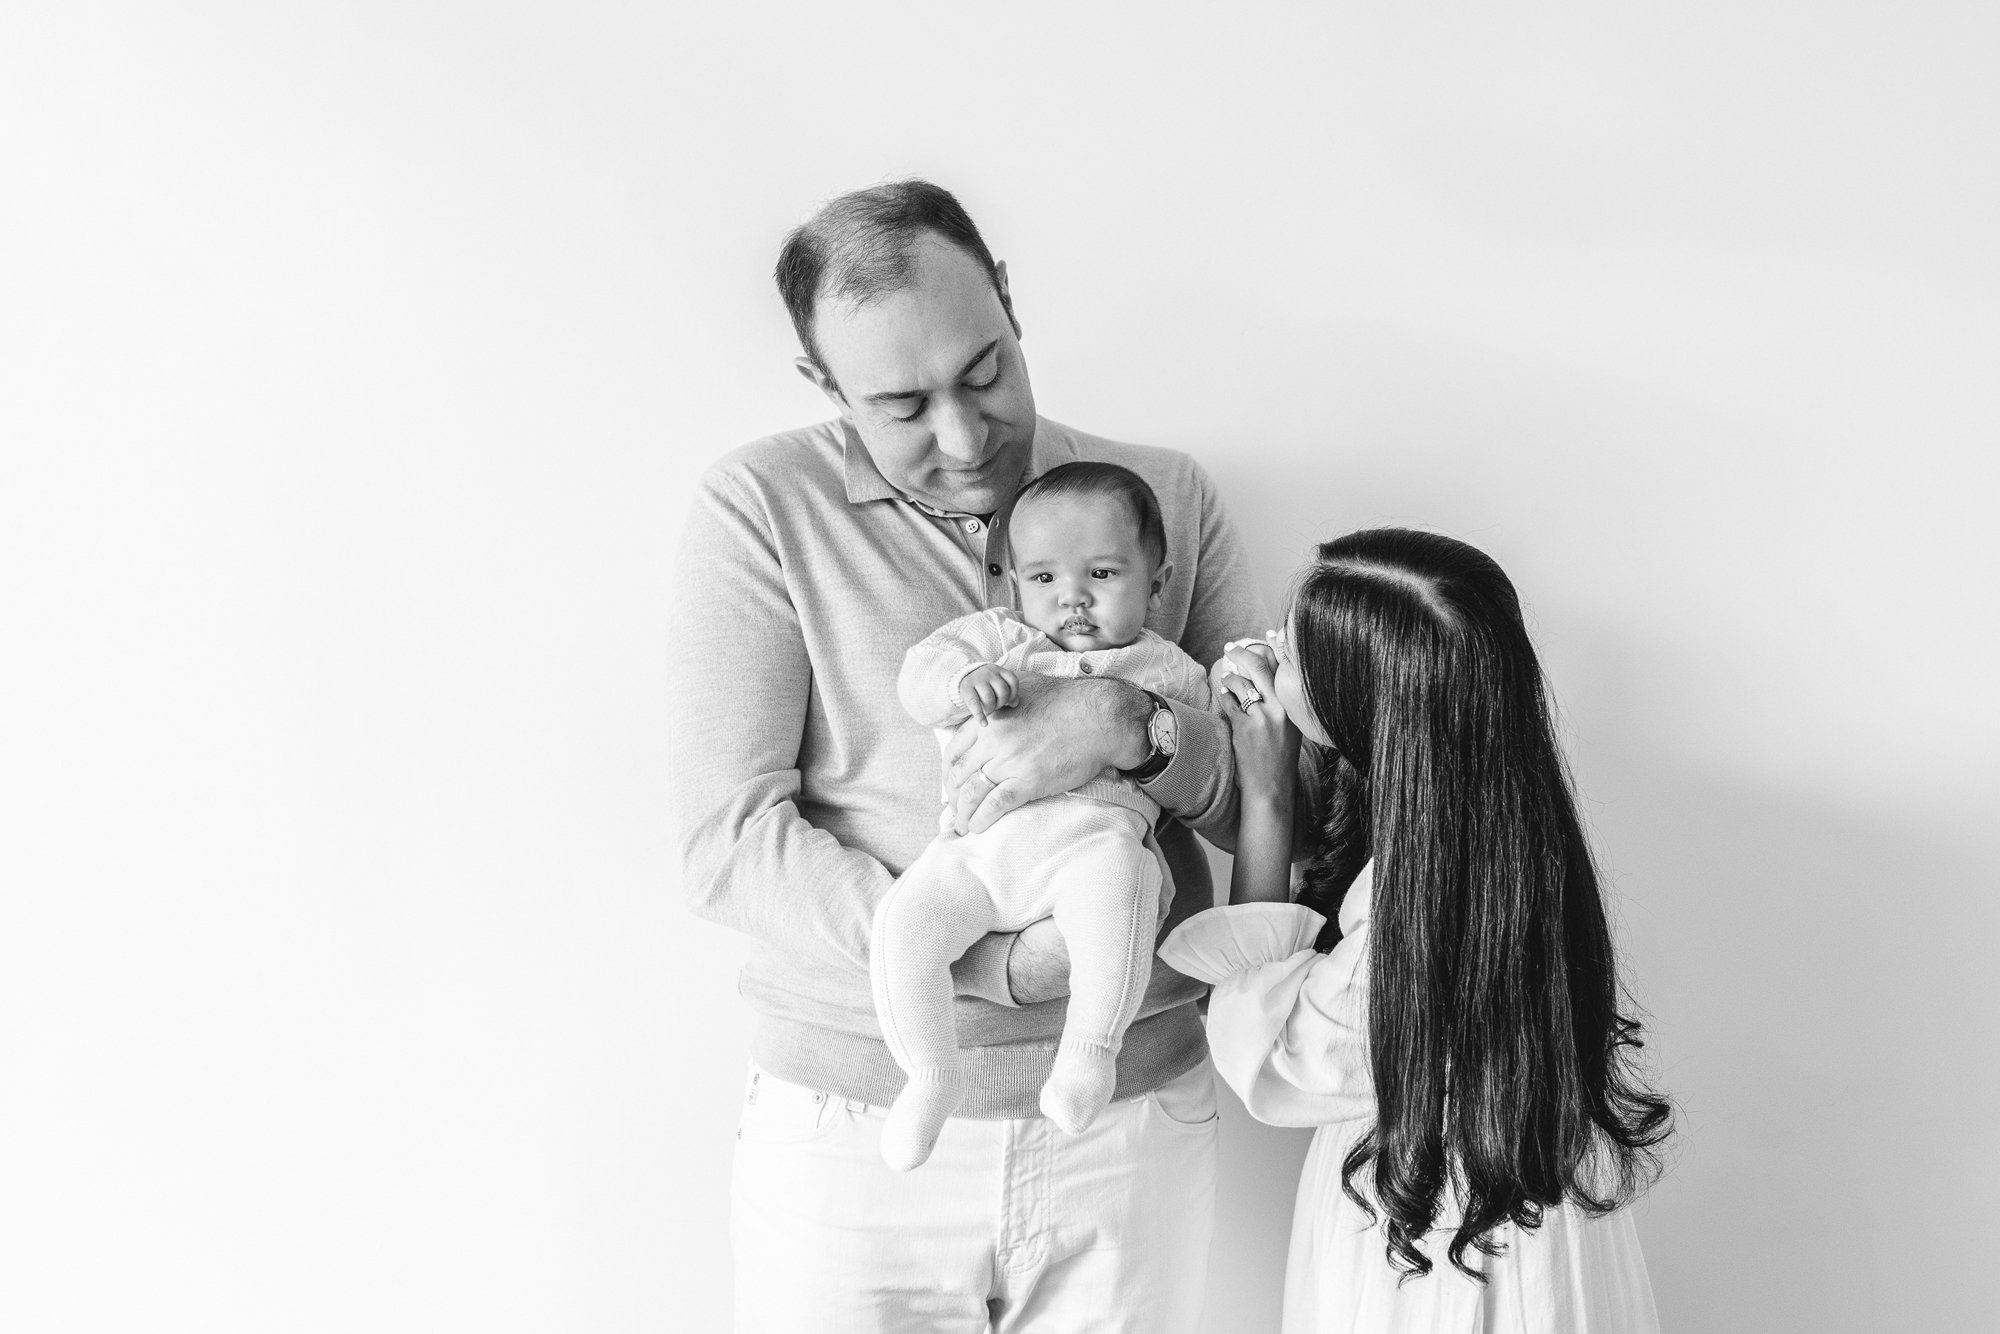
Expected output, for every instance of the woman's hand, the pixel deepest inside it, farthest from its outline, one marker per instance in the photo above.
(1267, 762)
(1224, 668)
(1266, 743)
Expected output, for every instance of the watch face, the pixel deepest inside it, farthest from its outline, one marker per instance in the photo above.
(1163, 731)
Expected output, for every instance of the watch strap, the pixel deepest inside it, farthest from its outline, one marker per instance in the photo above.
(1157, 760)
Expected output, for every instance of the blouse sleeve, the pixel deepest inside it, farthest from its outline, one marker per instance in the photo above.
(1287, 1026)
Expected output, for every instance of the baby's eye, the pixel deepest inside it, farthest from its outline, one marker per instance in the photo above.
(1101, 573)
(1041, 578)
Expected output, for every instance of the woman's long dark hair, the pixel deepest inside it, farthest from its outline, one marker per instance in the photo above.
(1500, 1058)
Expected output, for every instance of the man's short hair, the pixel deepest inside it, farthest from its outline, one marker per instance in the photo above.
(1086, 478)
(861, 246)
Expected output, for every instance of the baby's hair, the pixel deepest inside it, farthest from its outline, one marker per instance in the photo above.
(1099, 479)
(1496, 1029)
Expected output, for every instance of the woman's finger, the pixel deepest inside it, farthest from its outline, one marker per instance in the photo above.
(1258, 672)
(1241, 689)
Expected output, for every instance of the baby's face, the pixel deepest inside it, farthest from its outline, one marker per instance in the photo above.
(1086, 578)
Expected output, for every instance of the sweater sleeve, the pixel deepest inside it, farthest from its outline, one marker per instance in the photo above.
(750, 860)
(1183, 679)
(932, 669)
(1199, 785)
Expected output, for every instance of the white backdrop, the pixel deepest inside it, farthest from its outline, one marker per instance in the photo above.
(355, 363)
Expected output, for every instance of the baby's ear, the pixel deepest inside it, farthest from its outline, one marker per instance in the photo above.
(1161, 577)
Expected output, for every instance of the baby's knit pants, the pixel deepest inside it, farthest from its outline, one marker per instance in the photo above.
(1080, 860)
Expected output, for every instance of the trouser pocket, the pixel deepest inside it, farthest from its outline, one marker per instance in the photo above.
(778, 1111)
(1187, 1101)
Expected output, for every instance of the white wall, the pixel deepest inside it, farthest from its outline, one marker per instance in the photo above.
(355, 362)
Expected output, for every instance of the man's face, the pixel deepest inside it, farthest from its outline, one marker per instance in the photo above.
(1085, 575)
(932, 380)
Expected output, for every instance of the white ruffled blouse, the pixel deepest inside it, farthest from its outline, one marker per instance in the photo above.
(1288, 1029)
(1288, 1026)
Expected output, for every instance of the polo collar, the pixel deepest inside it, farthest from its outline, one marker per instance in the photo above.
(1051, 447)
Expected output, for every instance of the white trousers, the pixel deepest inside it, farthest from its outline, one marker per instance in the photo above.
(1012, 1226)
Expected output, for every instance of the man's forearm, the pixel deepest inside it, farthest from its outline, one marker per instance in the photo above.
(1126, 710)
(754, 864)
(1038, 964)
(750, 860)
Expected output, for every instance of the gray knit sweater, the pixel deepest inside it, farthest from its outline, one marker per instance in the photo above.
(802, 788)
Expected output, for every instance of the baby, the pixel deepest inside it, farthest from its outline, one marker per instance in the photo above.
(1088, 552)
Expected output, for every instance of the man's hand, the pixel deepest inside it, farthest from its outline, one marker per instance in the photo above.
(1056, 737)
(987, 689)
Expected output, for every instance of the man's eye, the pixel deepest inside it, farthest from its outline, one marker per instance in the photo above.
(987, 383)
(912, 414)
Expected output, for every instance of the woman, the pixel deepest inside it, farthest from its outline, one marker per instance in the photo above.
(1456, 1036)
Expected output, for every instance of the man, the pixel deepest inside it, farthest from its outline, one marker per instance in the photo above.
(811, 562)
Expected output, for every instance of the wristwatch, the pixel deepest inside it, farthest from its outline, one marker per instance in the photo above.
(1163, 734)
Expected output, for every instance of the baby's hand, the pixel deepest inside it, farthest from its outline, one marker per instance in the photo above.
(1259, 645)
(1243, 652)
(987, 689)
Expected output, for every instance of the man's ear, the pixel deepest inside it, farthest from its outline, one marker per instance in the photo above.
(820, 380)
(1006, 297)
(1161, 577)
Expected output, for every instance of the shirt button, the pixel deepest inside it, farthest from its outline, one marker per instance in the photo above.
(1086, 668)
(819, 1097)
(993, 570)
(972, 525)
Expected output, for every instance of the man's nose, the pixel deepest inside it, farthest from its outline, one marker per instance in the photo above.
(961, 433)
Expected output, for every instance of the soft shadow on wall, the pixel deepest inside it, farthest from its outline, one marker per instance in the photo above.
(1822, 1010)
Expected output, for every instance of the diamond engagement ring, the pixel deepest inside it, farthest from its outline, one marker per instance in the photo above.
(1252, 696)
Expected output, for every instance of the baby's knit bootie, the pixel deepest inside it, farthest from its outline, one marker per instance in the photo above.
(1080, 1084)
(918, 1116)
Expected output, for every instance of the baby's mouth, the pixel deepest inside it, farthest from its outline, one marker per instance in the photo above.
(1076, 625)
